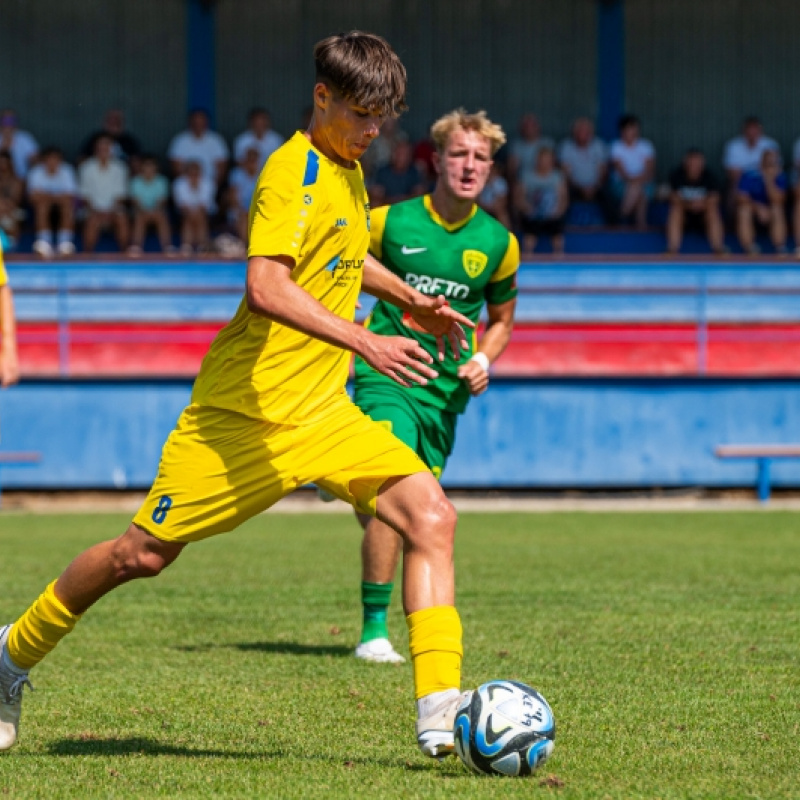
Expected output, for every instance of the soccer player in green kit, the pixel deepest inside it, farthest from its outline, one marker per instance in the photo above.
(441, 244)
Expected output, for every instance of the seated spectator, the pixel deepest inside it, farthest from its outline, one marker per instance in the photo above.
(424, 151)
(125, 146)
(694, 203)
(494, 197)
(20, 144)
(743, 153)
(149, 194)
(379, 153)
(541, 199)
(11, 191)
(796, 182)
(523, 150)
(53, 190)
(259, 136)
(584, 160)
(399, 179)
(241, 186)
(193, 194)
(761, 195)
(103, 182)
(634, 165)
(200, 145)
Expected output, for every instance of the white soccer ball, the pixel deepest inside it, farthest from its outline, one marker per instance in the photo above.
(504, 728)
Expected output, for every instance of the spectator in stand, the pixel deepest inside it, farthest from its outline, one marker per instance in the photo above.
(20, 144)
(494, 197)
(241, 185)
(53, 190)
(12, 190)
(149, 195)
(694, 203)
(399, 180)
(584, 160)
(541, 199)
(634, 166)
(761, 195)
(743, 153)
(201, 145)
(424, 150)
(524, 150)
(259, 136)
(193, 194)
(125, 146)
(103, 181)
(380, 151)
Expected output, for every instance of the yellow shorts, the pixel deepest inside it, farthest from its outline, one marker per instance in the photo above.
(219, 468)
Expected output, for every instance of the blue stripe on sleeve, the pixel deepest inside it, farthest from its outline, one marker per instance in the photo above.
(312, 168)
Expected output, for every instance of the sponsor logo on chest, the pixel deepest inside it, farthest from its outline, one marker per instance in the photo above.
(435, 286)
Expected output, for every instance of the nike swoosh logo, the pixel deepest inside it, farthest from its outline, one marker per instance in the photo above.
(409, 251)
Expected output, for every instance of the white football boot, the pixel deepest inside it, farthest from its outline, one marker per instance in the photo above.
(379, 651)
(11, 683)
(435, 730)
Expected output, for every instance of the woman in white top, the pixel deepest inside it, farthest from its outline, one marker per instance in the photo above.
(193, 193)
(634, 166)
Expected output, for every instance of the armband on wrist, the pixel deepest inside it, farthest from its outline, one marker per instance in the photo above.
(482, 359)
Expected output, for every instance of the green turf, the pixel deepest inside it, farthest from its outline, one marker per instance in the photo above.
(667, 645)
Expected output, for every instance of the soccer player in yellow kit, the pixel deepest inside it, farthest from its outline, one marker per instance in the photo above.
(269, 411)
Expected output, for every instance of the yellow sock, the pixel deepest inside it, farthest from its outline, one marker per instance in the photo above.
(435, 641)
(40, 629)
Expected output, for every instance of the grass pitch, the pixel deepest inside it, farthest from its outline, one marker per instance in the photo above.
(667, 645)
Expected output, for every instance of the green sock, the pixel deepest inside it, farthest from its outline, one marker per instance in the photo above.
(375, 598)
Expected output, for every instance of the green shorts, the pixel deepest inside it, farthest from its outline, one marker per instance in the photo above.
(429, 431)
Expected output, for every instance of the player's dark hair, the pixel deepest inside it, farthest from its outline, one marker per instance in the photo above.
(364, 69)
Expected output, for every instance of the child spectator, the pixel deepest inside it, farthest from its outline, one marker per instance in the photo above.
(494, 197)
(199, 144)
(11, 191)
(399, 180)
(241, 186)
(584, 159)
(193, 193)
(52, 189)
(541, 200)
(761, 195)
(20, 144)
(125, 145)
(103, 183)
(634, 162)
(694, 203)
(149, 194)
(259, 136)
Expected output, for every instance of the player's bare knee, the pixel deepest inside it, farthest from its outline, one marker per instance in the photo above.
(436, 522)
(136, 554)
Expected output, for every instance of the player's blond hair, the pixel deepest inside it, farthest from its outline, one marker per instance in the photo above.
(363, 68)
(443, 128)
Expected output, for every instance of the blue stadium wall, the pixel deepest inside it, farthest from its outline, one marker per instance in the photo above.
(527, 433)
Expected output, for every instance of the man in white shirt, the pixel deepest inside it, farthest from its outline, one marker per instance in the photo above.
(634, 166)
(258, 136)
(200, 144)
(524, 149)
(104, 186)
(52, 186)
(743, 153)
(21, 144)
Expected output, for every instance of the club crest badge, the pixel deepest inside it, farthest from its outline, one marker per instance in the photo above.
(474, 262)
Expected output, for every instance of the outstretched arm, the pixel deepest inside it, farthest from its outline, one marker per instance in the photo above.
(273, 294)
(431, 313)
(9, 362)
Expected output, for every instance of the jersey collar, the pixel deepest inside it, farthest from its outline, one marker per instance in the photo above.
(448, 226)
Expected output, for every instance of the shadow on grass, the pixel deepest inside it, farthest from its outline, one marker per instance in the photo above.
(140, 745)
(283, 648)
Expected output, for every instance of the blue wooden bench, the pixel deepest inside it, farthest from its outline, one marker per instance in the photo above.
(763, 455)
(21, 458)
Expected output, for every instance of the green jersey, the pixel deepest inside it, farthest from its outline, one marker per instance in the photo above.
(470, 262)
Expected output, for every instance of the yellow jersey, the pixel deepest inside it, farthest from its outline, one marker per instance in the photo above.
(309, 208)
(3, 275)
